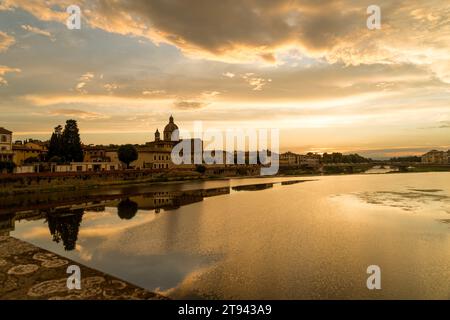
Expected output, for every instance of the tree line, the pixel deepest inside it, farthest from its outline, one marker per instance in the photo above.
(65, 146)
(337, 157)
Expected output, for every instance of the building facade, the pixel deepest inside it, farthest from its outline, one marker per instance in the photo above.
(289, 159)
(436, 157)
(87, 167)
(293, 159)
(157, 153)
(28, 150)
(95, 154)
(6, 150)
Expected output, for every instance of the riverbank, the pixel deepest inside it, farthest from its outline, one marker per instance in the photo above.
(28, 272)
(15, 184)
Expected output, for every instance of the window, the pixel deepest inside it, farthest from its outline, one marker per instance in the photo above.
(3, 138)
(3, 148)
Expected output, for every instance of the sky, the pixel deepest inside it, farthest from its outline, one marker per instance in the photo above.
(310, 68)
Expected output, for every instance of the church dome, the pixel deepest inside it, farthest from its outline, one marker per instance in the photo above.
(171, 126)
(169, 129)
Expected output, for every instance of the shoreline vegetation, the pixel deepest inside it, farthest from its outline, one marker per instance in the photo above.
(11, 184)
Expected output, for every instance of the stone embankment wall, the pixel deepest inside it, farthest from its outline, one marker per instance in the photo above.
(59, 181)
(55, 181)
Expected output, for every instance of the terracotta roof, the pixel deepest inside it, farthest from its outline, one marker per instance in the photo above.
(4, 131)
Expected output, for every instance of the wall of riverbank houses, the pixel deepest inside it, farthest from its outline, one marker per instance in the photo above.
(436, 157)
(87, 167)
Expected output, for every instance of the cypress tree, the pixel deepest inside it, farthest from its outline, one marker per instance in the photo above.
(71, 143)
(55, 146)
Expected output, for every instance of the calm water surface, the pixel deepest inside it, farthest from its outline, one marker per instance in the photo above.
(226, 239)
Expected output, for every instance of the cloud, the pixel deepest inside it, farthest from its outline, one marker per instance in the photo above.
(153, 92)
(6, 41)
(444, 125)
(413, 31)
(44, 10)
(256, 82)
(327, 69)
(4, 70)
(228, 75)
(189, 105)
(114, 101)
(83, 80)
(85, 115)
(88, 76)
(38, 31)
(110, 87)
(210, 94)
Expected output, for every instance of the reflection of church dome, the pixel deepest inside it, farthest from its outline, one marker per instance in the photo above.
(169, 129)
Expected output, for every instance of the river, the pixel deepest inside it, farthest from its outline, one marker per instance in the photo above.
(312, 238)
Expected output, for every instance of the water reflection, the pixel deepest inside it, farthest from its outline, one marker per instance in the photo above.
(254, 187)
(408, 200)
(65, 227)
(64, 220)
(63, 212)
(127, 209)
(290, 240)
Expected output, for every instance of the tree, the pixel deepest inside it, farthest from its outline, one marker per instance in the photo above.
(55, 145)
(200, 168)
(127, 154)
(31, 160)
(7, 166)
(71, 144)
(56, 159)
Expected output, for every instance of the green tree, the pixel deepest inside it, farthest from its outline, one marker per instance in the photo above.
(31, 160)
(127, 154)
(71, 143)
(200, 168)
(56, 159)
(55, 145)
(7, 167)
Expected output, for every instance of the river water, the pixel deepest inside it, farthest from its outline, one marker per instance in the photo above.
(260, 238)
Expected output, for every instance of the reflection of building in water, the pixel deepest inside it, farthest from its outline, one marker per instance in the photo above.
(6, 224)
(97, 208)
(64, 216)
(169, 200)
(254, 187)
(65, 227)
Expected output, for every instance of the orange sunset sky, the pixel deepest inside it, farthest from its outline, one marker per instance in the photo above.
(310, 68)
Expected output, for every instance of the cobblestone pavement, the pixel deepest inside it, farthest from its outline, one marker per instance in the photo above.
(29, 272)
